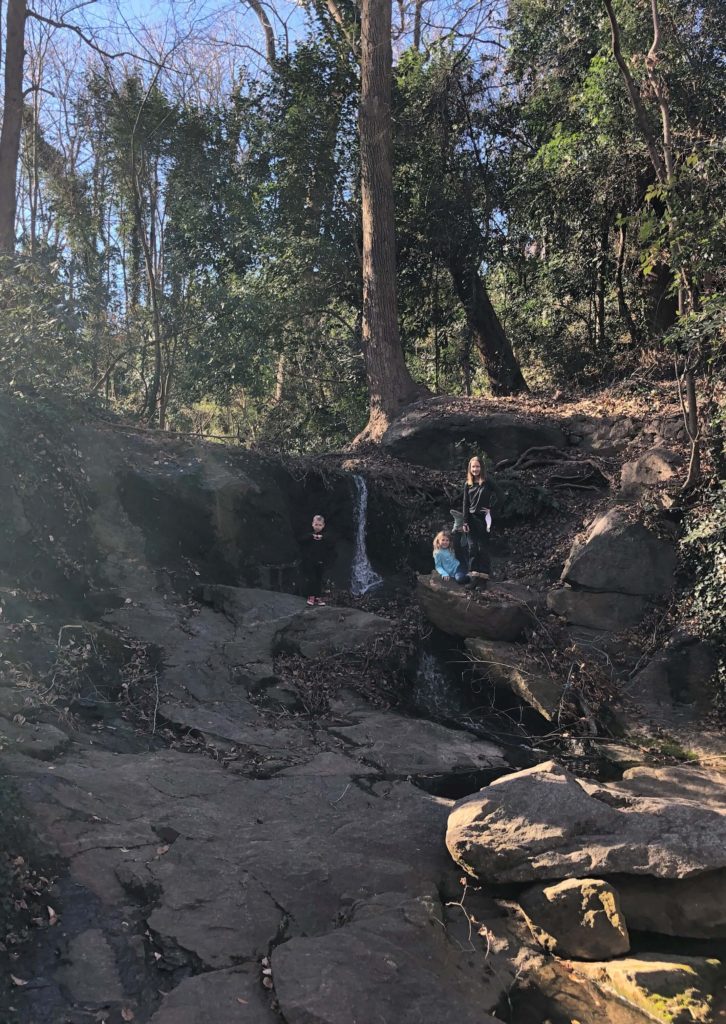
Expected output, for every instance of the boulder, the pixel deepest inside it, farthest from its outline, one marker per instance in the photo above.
(623, 556)
(580, 917)
(501, 612)
(690, 908)
(544, 823)
(678, 678)
(611, 612)
(393, 962)
(669, 989)
(509, 665)
(656, 466)
(439, 434)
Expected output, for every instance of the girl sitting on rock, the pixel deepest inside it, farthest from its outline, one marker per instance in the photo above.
(445, 562)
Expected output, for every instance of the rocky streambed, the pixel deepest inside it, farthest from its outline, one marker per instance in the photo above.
(201, 844)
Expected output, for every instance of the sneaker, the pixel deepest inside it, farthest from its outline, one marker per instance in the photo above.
(319, 601)
(311, 600)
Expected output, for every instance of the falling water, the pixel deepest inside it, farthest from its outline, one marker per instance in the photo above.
(363, 577)
(431, 691)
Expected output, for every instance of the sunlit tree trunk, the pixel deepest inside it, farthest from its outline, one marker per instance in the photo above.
(390, 385)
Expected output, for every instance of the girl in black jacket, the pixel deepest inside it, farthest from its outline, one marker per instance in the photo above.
(478, 499)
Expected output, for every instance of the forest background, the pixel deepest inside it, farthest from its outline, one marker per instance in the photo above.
(186, 240)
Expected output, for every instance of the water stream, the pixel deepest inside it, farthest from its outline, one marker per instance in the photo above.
(363, 576)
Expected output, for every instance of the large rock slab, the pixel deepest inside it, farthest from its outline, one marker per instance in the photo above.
(677, 686)
(501, 612)
(509, 665)
(435, 432)
(413, 747)
(580, 917)
(233, 996)
(227, 865)
(611, 612)
(618, 554)
(393, 962)
(543, 823)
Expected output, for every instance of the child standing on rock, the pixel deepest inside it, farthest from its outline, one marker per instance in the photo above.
(317, 551)
(447, 565)
(477, 519)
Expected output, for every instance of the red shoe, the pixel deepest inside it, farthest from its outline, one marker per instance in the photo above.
(311, 600)
(319, 601)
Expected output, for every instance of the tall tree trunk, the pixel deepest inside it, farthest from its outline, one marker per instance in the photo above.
(12, 120)
(488, 334)
(390, 385)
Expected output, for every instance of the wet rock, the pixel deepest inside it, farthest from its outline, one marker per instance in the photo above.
(622, 556)
(233, 996)
(392, 962)
(611, 612)
(91, 974)
(656, 466)
(501, 612)
(432, 433)
(543, 823)
(40, 741)
(669, 989)
(509, 665)
(580, 917)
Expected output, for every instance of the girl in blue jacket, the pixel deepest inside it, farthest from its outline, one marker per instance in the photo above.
(445, 562)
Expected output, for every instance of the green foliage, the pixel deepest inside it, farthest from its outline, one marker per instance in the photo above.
(704, 549)
(39, 326)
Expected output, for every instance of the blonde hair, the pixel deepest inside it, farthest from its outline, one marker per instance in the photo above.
(469, 477)
(438, 538)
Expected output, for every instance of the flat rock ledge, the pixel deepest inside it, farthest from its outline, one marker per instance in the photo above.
(504, 611)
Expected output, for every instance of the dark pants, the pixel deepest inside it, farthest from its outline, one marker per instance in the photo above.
(479, 559)
(312, 577)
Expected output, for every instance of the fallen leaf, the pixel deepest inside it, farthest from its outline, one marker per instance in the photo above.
(242, 1001)
(161, 850)
(127, 1013)
(267, 982)
(17, 981)
(52, 916)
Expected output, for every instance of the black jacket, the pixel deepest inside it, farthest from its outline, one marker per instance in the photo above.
(317, 551)
(478, 498)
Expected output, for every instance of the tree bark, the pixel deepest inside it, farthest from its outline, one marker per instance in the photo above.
(390, 385)
(488, 334)
(623, 306)
(12, 120)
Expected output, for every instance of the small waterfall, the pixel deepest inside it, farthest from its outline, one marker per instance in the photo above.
(363, 577)
(431, 691)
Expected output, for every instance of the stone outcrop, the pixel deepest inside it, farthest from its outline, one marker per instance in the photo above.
(580, 918)
(503, 611)
(504, 664)
(434, 432)
(669, 989)
(655, 467)
(544, 823)
(619, 555)
(595, 610)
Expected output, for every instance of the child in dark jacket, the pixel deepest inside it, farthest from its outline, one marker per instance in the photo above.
(317, 551)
